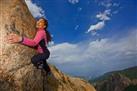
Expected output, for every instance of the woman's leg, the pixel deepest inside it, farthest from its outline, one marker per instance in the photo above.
(46, 66)
(35, 60)
(39, 58)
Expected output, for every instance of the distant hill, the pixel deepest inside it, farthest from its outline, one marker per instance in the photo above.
(123, 80)
(130, 73)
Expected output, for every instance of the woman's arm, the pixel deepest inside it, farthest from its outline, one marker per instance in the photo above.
(33, 42)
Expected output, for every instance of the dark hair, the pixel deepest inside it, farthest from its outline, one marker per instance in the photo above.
(49, 38)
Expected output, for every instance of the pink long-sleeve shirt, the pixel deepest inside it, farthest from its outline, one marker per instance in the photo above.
(41, 34)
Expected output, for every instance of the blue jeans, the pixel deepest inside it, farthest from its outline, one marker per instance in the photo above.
(41, 58)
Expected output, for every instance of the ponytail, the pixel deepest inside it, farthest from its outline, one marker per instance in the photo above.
(49, 38)
(48, 35)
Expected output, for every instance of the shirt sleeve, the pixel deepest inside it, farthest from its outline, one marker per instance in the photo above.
(33, 42)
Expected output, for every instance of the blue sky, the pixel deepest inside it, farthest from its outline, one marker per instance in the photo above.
(90, 37)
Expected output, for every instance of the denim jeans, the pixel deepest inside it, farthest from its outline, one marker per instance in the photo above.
(41, 58)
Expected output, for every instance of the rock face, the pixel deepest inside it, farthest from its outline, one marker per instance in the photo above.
(116, 82)
(16, 71)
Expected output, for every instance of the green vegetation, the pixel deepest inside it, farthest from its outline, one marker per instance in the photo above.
(131, 88)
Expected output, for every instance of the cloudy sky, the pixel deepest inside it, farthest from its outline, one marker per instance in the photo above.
(90, 37)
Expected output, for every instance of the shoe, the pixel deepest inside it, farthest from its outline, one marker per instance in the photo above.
(40, 66)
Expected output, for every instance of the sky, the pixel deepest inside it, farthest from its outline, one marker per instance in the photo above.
(90, 37)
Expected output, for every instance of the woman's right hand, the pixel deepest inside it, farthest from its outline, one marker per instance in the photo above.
(13, 38)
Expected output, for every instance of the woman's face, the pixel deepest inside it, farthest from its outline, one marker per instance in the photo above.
(40, 23)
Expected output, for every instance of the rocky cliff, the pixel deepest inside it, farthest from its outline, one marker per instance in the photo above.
(123, 80)
(16, 71)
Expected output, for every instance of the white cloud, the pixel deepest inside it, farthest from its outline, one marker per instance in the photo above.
(51, 43)
(76, 27)
(104, 16)
(35, 10)
(59, 49)
(95, 57)
(106, 4)
(97, 26)
(107, 12)
(73, 1)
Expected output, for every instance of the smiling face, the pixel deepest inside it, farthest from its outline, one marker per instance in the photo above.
(41, 24)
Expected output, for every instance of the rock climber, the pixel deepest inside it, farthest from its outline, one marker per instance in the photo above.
(40, 41)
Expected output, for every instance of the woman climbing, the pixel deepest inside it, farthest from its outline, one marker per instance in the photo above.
(40, 42)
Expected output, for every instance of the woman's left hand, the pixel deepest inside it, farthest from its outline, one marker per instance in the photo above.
(13, 38)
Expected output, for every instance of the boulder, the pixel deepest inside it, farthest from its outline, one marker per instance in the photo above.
(16, 71)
